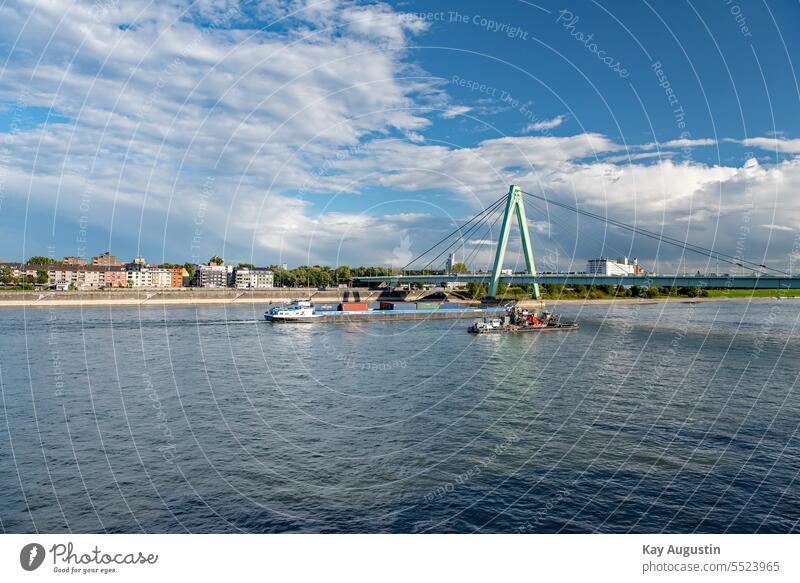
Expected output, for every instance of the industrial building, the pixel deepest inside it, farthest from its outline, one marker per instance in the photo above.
(619, 266)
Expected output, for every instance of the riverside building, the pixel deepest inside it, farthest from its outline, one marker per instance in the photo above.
(620, 266)
(253, 278)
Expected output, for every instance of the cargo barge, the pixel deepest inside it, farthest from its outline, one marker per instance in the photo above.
(301, 311)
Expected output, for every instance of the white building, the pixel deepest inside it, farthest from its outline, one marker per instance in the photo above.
(451, 261)
(140, 278)
(160, 276)
(93, 278)
(64, 277)
(253, 278)
(620, 266)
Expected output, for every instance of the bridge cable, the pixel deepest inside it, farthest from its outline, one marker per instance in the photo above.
(464, 236)
(664, 238)
(488, 209)
(483, 242)
(573, 232)
(497, 216)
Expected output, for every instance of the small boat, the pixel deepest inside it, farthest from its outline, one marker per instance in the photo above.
(296, 311)
(519, 320)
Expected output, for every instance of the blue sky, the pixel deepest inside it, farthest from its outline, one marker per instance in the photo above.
(351, 132)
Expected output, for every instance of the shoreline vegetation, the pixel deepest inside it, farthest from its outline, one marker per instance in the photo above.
(617, 293)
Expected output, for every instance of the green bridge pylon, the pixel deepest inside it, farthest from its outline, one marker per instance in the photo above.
(514, 205)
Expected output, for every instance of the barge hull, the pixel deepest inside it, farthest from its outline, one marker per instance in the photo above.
(527, 330)
(392, 316)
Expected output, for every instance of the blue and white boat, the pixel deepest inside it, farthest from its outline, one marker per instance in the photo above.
(296, 311)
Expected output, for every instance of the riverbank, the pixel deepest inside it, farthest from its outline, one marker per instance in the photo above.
(184, 296)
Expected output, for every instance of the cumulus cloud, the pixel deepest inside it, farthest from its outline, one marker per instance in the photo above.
(162, 97)
(710, 205)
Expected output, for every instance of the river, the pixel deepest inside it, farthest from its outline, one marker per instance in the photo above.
(650, 418)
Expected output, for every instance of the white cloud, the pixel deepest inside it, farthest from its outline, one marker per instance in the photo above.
(687, 143)
(774, 144)
(545, 124)
(159, 106)
(679, 143)
(631, 157)
(455, 111)
(710, 205)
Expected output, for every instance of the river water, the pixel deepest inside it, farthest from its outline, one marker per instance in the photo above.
(650, 418)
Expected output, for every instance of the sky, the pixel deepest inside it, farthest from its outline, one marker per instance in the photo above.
(359, 133)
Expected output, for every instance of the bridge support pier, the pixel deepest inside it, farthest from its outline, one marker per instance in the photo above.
(514, 206)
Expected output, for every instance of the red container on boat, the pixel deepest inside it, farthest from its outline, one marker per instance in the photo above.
(355, 307)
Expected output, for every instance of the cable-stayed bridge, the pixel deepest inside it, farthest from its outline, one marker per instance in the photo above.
(512, 206)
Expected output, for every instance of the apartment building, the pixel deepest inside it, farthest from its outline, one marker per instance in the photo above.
(253, 278)
(212, 276)
(105, 258)
(115, 277)
(66, 277)
(139, 278)
(166, 276)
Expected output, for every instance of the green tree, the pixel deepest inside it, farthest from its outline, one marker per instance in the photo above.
(343, 274)
(459, 267)
(5, 275)
(41, 277)
(217, 259)
(476, 290)
(245, 266)
(652, 292)
(554, 290)
(42, 260)
(189, 269)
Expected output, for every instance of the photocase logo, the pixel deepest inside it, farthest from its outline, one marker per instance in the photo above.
(31, 556)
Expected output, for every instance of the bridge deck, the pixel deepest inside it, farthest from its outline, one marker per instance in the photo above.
(666, 280)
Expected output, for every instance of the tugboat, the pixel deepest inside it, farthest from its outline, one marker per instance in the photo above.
(519, 320)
